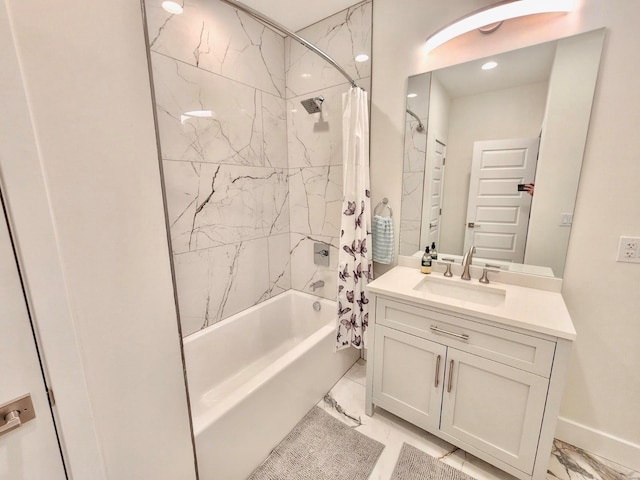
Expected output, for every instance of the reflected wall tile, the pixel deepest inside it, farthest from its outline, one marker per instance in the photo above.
(274, 127)
(415, 147)
(304, 272)
(216, 283)
(316, 139)
(184, 95)
(239, 203)
(412, 193)
(409, 237)
(315, 200)
(216, 37)
(342, 36)
(279, 264)
(181, 180)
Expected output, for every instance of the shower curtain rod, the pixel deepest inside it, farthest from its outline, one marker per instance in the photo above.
(282, 29)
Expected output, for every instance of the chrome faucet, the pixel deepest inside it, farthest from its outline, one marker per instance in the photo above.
(466, 262)
(318, 284)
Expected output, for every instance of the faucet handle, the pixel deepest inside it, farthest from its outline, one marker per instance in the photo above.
(485, 275)
(448, 262)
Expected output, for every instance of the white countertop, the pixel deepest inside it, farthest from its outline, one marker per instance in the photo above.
(528, 308)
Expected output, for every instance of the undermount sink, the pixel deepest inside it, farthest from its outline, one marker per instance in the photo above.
(466, 292)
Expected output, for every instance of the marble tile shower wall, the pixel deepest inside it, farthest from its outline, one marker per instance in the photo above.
(251, 179)
(315, 141)
(220, 84)
(413, 170)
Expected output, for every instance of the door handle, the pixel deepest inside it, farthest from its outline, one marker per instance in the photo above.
(16, 413)
(437, 382)
(13, 421)
(473, 225)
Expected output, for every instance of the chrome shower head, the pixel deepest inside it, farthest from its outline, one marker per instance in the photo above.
(313, 105)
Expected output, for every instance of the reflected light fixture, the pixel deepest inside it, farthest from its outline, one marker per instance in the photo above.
(489, 65)
(172, 7)
(195, 114)
(496, 13)
(412, 95)
(363, 57)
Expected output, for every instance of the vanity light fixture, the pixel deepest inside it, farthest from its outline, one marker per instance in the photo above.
(496, 13)
(363, 57)
(489, 65)
(412, 95)
(172, 7)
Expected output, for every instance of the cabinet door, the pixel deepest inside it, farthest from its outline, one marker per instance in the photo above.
(408, 376)
(493, 407)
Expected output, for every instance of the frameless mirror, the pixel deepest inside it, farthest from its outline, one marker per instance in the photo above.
(498, 161)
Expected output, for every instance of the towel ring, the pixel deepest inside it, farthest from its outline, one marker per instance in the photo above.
(384, 203)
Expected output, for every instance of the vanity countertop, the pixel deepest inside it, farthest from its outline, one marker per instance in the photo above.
(528, 308)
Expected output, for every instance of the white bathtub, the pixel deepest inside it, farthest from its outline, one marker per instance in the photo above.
(253, 376)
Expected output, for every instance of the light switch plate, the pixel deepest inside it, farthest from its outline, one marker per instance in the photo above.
(629, 250)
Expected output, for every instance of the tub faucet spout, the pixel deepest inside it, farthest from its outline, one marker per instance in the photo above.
(466, 262)
(318, 284)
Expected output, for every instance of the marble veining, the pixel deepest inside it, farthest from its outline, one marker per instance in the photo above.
(345, 401)
(342, 36)
(315, 200)
(215, 37)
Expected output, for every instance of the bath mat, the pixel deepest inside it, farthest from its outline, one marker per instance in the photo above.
(320, 447)
(414, 464)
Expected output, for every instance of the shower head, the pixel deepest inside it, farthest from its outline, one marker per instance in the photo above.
(313, 105)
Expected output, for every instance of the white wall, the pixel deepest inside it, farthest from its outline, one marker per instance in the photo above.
(515, 112)
(85, 74)
(600, 402)
(571, 87)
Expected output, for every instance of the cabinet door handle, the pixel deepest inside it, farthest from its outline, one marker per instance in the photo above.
(450, 376)
(462, 336)
(438, 358)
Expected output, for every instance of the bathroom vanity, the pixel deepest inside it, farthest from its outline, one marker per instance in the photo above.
(480, 366)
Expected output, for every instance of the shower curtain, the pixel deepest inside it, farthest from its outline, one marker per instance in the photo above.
(354, 256)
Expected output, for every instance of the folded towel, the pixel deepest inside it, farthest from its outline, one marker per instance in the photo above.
(382, 233)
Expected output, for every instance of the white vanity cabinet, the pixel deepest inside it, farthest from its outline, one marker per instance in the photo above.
(491, 389)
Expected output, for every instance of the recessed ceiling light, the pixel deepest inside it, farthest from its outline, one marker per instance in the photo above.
(489, 65)
(305, 75)
(172, 7)
(412, 95)
(363, 57)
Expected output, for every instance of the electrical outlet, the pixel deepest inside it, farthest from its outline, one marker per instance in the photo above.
(628, 250)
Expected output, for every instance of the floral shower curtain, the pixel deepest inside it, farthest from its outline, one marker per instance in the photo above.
(354, 257)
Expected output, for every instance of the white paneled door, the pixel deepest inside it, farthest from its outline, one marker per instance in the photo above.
(29, 451)
(497, 212)
(434, 194)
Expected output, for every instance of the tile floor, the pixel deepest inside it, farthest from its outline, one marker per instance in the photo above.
(346, 401)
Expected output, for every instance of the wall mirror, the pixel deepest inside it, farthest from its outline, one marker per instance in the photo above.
(493, 152)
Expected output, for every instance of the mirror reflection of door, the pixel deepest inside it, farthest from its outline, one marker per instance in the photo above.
(497, 213)
(434, 192)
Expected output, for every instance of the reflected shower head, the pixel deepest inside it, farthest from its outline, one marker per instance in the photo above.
(313, 105)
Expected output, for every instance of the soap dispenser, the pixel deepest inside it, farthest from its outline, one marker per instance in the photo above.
(425, 266)
(434, 254)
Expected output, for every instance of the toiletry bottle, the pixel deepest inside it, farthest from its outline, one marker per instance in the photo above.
(434, 254)
(425, 266)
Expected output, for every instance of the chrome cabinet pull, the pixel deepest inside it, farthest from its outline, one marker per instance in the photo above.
(438, 358)
(461, 336)
(449, 386)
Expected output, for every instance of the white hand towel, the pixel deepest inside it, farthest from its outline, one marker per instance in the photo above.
(382, 233)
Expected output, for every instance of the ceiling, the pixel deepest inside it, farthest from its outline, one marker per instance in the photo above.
(519, 67)
(296, 15)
